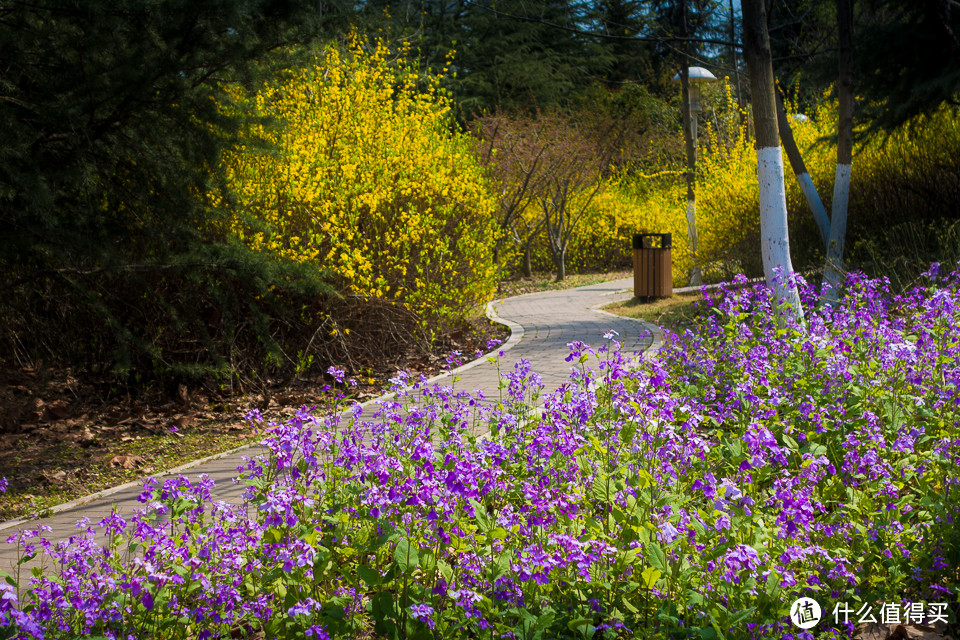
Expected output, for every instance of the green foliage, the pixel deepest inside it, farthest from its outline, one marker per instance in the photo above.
(906, 56)
(113, 129)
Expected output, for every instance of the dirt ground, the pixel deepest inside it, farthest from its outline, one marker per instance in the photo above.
(62, 438)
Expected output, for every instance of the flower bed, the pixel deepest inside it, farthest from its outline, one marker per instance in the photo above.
(697, 494)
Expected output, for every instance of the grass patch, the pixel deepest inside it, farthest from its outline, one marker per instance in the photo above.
(677, 313)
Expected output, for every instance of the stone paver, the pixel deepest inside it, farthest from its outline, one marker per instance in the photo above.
(542, 325)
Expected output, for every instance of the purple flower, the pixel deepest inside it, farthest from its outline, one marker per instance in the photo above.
(739, 558)
(423, 613)
(722, 523)
(317, 631)
(304, 608)
(668, 533)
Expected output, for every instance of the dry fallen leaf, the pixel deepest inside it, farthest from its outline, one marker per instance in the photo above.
(126, 462)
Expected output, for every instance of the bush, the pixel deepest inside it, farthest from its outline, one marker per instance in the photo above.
(647, 193)
(695, 495)
(908, 180)
(366, 177)
(113, 133)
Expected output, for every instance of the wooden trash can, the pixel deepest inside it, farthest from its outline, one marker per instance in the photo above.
(652, 269)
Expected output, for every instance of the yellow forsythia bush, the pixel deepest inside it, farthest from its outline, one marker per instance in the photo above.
(367, 177)
(652, 197)
(728, 200)
(907, 175)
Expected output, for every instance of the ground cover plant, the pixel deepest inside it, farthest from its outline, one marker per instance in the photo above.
(677, 313)
(696, 494)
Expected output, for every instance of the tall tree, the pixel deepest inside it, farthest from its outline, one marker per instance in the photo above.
(618, 22)
(833, 268)
(774, 236)
(519, 55)
(907, 60)
(114, 114)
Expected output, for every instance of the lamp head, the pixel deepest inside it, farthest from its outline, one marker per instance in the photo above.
(697, 75)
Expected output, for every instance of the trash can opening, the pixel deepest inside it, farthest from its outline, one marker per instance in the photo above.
(652, 241)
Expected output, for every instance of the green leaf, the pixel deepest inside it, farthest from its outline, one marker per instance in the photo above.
(645, 480)
(655, 556)
(480, 515)
(599, 489)
(789, 442)
(742, 615)
(579, 624)
(650, 577)
(627, 433)
(545, 620)
(369, 575)
(499, 533)
(446, 571)
(273, 535)
(9, 579)
(406, 556)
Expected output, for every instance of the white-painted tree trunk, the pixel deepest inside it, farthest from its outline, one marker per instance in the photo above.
(810, 194)
(774, 238)
(833, 269)
(833, 266)
(815, 204)
(774, 235)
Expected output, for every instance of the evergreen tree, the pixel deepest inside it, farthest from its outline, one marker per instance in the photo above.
(907, 59)
(906, 55)
(114, 117)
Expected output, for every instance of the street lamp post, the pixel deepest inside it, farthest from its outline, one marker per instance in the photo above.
(690, 85)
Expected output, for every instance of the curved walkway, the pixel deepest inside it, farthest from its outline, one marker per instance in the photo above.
(542, 325)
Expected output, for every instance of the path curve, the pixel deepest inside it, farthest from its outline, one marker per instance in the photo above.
(542, 325)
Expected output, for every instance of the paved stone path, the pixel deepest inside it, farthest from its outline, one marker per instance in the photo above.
(542, 325)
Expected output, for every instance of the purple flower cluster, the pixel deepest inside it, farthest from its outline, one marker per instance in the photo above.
(751, 462)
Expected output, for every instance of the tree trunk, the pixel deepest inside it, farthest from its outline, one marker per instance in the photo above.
(527, 261)
(774, 237)
(736, 65)
(690, 140)
(833, 268)
(803, 176)
(561, 265)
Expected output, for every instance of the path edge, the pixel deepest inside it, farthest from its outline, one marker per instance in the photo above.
(516, 335)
